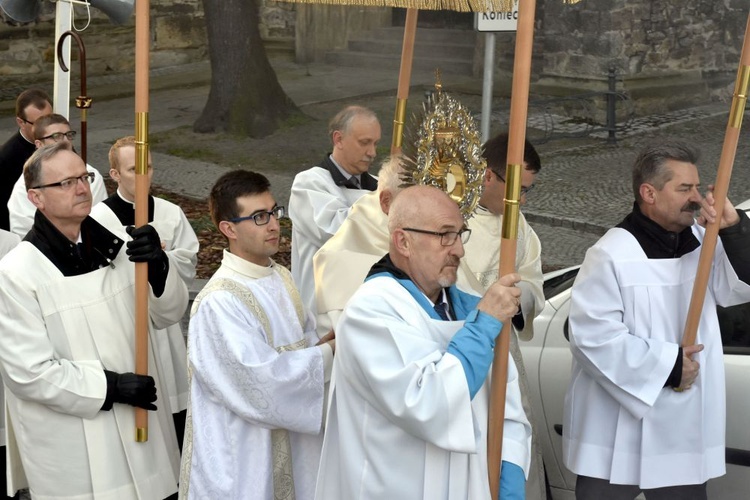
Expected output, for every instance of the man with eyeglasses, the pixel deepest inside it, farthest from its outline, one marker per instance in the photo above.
(258, 369)
(409, 406)
(47, 130)
(31, 104)
(483, 259)
(67, 357)
(178, 241)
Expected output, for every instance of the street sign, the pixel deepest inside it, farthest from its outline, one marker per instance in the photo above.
(497, 21)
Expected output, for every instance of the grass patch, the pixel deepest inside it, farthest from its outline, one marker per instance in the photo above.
(202, 223)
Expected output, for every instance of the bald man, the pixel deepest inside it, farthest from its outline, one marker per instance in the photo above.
(408, 412)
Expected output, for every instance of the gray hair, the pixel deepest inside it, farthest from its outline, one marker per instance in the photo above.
(342, 122)
(650, 165)
(389, 176)
(32, 169)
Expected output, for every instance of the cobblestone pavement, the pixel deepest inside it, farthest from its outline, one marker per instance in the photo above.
(583, 188)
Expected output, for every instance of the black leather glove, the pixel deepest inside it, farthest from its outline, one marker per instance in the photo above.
(146, 247)
(130, 389)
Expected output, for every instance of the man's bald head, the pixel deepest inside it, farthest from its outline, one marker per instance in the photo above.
(421, 222)
(416, 204)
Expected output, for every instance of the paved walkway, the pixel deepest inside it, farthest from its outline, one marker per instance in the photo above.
(583, 188)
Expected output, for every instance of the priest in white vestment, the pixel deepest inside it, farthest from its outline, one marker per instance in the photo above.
(409, 403)
(643, 413)
(322, 196)
(67, 349)
(258, 369)
(483, 249)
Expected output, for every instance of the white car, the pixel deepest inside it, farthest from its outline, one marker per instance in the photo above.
(548, 359)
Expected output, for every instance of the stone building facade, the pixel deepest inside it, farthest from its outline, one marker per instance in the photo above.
(668, 53)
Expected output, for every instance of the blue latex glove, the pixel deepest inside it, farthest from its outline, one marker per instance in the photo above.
(512, 482)
(473, 345)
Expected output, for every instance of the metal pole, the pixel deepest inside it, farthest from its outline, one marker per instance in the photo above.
(61, 95)
(611, 95)
(489, 71)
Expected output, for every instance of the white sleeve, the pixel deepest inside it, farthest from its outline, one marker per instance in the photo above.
(233, 363)
(317, 207)
(98, 189)
(183, 249)
(20, 210)
(529, 266)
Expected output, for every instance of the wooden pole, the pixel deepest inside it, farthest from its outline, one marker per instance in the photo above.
(516, 140)
(724, 173)
(142, 40)
(404, 79)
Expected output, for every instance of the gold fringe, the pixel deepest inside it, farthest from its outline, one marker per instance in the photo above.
(456, 5)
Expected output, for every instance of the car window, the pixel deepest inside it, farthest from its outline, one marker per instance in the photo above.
(734, 323)
(558, 284)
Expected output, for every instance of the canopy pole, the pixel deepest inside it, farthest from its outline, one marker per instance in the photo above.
(142, 40)
(516, 139)
(721, 187)
(404, 79)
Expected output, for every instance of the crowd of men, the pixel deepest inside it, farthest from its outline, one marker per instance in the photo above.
(362, 373)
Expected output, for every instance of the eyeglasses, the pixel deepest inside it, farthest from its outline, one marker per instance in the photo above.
(58, 136)
(524, 190)
(70, 182)
(447, 238)
(262, 218)
(26, 121)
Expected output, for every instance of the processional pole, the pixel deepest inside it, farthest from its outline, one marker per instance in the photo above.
(516, 139)
(724, 173)
(404, 79)
(142, 39)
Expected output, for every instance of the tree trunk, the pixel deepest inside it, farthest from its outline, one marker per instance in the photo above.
(245, 97)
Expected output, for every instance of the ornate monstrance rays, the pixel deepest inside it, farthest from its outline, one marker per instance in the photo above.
(443, 149)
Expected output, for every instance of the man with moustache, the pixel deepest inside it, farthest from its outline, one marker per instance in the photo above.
(409, 406)
(642, 413)
(322, 196)
(258, 370)
(67, 357)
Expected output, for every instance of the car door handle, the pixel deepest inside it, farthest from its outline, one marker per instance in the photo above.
(558, 429)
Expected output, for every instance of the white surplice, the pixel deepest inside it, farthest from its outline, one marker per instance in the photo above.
(242, 388)
(626, 322)
(317, 207)
(181, 244)
(21, 210)
(401, 423)
(8, 241)
(59, 334)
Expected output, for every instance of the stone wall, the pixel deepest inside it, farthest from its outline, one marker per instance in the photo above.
(670, 53)
(177, 30)
(321, 28)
